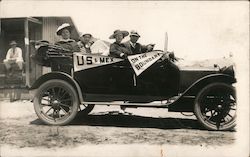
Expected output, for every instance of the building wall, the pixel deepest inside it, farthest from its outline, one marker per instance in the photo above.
(50, 25)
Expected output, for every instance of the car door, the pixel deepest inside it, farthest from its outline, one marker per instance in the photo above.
(122, 82)
(94, 73)
(160, 79)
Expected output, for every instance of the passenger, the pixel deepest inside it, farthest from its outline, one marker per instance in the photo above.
(136, 48)
(118, 49)
(65, 65)
(66, 42)
(85, 43)
(13, 58)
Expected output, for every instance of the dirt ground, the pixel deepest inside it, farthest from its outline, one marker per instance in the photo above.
(20, 128)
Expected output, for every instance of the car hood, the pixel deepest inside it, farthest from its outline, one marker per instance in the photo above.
(205, 65)
(191, 71)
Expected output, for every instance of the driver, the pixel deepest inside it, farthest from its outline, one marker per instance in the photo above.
(136, 48)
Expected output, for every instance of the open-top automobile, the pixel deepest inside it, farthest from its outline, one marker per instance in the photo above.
(78, 82)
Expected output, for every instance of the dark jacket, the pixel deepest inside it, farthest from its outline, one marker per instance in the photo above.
(65, 65)
(137, 49)
(69, 45)
(116, 49)
(84, 48)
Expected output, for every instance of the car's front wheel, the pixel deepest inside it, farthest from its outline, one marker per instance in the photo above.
(215, 106)
(56, 102)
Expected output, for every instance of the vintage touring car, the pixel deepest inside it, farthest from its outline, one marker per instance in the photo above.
(80, 81)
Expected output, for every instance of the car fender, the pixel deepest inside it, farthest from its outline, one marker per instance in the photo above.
(58, 75)
(185, 101)
(202, 82)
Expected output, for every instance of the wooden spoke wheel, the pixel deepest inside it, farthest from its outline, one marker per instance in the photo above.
(56, 102)
(215, 106)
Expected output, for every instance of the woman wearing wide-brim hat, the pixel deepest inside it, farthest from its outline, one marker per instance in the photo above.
(118, 49)
(65, 64)
(64, 31)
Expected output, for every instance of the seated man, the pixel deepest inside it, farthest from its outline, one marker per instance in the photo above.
(13, 58)
(137, 48)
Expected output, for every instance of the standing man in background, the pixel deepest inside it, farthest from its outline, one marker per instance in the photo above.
(13, 58)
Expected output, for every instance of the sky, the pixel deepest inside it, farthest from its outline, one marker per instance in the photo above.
(195, 30)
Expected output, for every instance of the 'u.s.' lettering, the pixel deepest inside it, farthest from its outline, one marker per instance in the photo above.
(89, 60)
(80, 60)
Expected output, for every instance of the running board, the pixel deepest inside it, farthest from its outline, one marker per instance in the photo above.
(163, 104)
(157, 104)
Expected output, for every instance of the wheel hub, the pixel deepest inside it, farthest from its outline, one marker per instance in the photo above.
(219, 107)
(55, 104)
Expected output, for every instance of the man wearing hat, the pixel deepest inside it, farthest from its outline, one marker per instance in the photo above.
(137, 48)
(64, 31)
(85, 43)
(13, 57)
(118, 49)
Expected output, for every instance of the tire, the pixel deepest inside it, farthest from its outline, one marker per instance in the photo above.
(85, 110)
(215, 107)
(56, 102)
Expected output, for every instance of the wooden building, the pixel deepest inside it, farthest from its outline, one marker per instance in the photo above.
(24, 30)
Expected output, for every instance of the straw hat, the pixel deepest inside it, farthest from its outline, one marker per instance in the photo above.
(124, 33)
(83, 34)
(134, 33)
(13, 42)
(63, 26)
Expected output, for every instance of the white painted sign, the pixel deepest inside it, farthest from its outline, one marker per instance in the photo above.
(86, 61)
(142, 61)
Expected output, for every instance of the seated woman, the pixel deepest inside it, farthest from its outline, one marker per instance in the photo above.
(85, 43)
(66, 42)
(118, 49)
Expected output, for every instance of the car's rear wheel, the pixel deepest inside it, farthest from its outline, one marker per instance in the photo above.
(85, 109)
(56, 102)
(215, 106)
